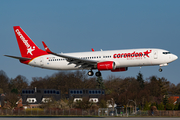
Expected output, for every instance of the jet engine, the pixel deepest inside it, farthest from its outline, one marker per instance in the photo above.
(107, 65)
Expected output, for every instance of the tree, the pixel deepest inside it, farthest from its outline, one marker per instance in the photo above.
(4, 80)
(164, 85)
(147, 106)
(165, 100)
(177, 106)
(161, 106)
(14, 91)
(11, 99)
(102, 103)
(64, 81)
(1, 91)
(170, 104)
(172, 88)
(100, 82)
(140, 80)
(154, 87)
(89, 83)
(178, 89)
(18, 83)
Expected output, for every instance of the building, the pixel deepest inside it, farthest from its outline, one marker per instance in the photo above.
(32, 98)
(92, 94)
(174, 99)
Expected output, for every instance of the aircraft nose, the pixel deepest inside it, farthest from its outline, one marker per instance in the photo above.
(175, 57)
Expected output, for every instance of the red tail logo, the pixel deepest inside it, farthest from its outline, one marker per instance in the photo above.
(27, 47)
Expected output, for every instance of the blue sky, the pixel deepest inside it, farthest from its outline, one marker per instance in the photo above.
(79, 25)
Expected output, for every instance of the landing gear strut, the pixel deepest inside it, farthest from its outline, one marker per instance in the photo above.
(90, 73)
(98, 73)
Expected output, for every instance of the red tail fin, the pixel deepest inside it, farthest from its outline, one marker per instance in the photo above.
(27, 47)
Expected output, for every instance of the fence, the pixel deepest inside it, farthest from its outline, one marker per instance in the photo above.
(79, 112)
(49, 112)
(158, 113)
(130, 112)
(107, 112)
(165, 113)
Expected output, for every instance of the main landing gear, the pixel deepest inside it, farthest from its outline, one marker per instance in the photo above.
(91, 73)
(98, 73)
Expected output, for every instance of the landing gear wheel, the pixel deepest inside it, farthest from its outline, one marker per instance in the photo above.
(90, 73)
(160, 69)
(98, 73)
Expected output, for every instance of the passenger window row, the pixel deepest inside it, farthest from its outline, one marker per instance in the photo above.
(106, 56)
(95, 57)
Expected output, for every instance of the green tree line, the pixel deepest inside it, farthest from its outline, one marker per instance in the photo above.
(145, 92)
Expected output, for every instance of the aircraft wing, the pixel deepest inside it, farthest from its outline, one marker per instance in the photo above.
(81, 63)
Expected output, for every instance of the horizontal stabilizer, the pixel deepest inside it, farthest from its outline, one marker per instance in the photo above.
(20, 58)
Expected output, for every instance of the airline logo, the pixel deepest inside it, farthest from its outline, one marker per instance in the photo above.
(29, 48)
(132, 55)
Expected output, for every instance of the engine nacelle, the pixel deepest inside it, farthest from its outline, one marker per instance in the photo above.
(107, 65)
(120, 69)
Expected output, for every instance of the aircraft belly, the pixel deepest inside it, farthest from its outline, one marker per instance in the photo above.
(132, 62)
(59, 65)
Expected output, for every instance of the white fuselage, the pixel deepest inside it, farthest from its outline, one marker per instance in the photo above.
(122, 58)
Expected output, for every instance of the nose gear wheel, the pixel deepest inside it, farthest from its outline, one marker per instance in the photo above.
(160, 69)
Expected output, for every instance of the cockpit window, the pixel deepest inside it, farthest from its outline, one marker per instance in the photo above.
(166, 53)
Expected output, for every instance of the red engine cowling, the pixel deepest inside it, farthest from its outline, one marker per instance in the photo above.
(108, 65)
(120, 69)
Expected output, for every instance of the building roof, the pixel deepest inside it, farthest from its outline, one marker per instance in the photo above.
(90, 93)
(173, 99)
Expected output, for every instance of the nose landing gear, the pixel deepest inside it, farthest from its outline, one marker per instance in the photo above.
(160, 69)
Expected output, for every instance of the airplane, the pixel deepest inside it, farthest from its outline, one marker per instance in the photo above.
(112, 60)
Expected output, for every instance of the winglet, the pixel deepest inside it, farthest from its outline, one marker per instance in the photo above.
(92, 49)
(46, 48)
